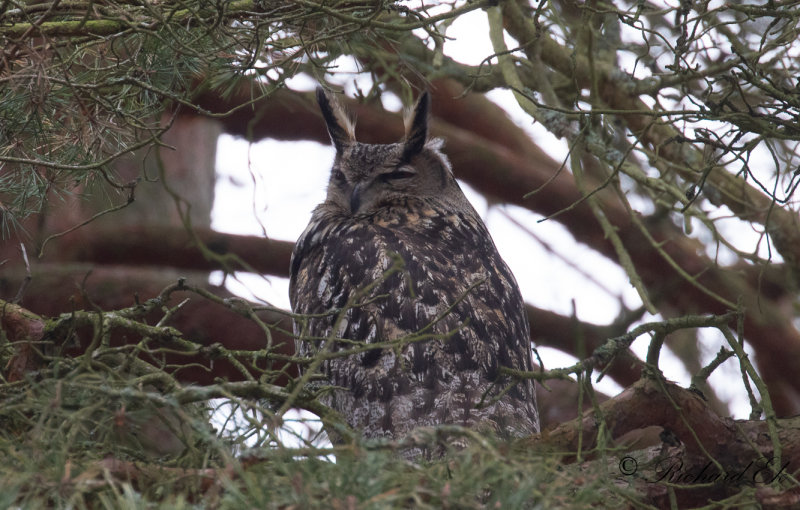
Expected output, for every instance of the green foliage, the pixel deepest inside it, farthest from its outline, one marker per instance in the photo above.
(66, 118)
(111, 429)
(56, 444)
(82, 84)
(369, 477)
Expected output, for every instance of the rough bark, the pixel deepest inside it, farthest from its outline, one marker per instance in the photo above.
(693, 446)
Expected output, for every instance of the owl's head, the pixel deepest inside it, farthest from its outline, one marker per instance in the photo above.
(366, 177)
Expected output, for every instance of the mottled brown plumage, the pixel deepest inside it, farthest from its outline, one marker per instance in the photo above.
(400, 202)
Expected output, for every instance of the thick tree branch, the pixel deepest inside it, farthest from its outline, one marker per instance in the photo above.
(61, 288)
(172, 246)
(55, 289)
(23, 329)
(619, 92)
(705, 447)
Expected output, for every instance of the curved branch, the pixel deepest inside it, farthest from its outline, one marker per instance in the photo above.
(720, 452)
(22, 329)
(164, 245)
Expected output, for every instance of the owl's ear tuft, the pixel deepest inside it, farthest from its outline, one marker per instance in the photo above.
(341, 127)
(417, 127)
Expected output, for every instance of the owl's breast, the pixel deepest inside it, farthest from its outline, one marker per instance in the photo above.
(401, 215)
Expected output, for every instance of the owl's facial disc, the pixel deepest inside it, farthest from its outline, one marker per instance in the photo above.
(383, 185)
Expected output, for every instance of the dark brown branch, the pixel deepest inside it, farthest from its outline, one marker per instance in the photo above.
(140, 474)
(22, 328)
(550, 329)
(61, 289)
(171, 246)
(701, 442)
(168, 246)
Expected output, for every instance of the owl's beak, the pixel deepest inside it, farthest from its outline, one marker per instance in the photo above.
(355, 197)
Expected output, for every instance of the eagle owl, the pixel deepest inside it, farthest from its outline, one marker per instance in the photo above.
(397, 255)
